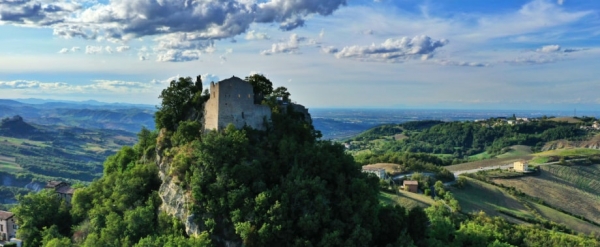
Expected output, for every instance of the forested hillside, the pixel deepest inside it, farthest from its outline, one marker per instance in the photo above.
(279, 187)
(457, 141)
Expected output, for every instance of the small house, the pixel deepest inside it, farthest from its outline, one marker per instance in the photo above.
(521, 166)
(411, 186)
(61, 188)
(8, 226)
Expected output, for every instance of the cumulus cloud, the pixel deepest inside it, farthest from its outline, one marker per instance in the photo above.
(330, 50)
(91, 49)
(123, 48)
(253, 35)
(36, 13)
(393, 50)
(291, 46)
(210, 19)
(178, 56)
(67, 50)
(556, 49)
(549, 48)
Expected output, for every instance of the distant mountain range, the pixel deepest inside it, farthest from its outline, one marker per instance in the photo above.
(85, 114)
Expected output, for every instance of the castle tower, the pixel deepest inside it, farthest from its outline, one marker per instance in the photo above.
(232, 101)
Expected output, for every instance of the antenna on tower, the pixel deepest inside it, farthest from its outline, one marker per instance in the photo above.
(575, 112)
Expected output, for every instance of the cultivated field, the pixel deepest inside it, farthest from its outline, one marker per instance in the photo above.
(573, 189)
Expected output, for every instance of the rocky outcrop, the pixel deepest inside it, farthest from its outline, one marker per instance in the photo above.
(594, 143)
(176, 201)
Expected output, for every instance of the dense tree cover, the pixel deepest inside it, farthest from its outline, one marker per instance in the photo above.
(462, 139)
(37, 211)
(178, 101)
(378, 132)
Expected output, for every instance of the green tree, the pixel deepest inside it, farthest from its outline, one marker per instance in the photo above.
(282, 92)
(261, 85)
(178, 99)
(37, 211)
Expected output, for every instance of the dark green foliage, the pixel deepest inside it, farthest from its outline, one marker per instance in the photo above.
(262, 87)
(463, 139)
(378, 132)
(186, 132)
(178, 100)
(38, 211)
(283, 93)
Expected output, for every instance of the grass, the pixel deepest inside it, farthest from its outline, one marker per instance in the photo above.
(480, 156)
(566, 119)
(539, 160)
(399, 137)
(478, 196)
(406, 199)
(9, 167)
(569, 152)
(516, 151)
(19, 142)
(571, 222)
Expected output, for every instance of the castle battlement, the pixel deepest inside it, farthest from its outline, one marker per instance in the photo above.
(232, 101)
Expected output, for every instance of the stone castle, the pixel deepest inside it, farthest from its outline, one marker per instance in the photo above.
(232, 101)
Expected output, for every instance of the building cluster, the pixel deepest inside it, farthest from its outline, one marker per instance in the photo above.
(8, 221)
(594, 126)
(62, 189)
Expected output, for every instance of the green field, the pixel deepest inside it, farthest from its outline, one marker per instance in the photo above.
(478, 196)
(571, 152)
(406, 199)
(572, 222)
(9, 167)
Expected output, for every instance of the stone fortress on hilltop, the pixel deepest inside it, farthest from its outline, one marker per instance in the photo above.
(232, 101)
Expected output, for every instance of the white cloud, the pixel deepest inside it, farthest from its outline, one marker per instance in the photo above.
(549, 48)
(90, 49)
(393, 50)
(67, 50)
(123, 48)
(291, 46)
(178, 55)
(253, 35)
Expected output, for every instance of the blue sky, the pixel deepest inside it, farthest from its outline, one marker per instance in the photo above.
(472, 54)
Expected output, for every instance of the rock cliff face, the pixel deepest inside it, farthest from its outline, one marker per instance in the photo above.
(175, 199)
(594, 143)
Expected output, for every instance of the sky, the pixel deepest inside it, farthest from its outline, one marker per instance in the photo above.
(468, 54)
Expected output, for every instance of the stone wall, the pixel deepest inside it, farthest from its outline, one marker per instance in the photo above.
(232, 101)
